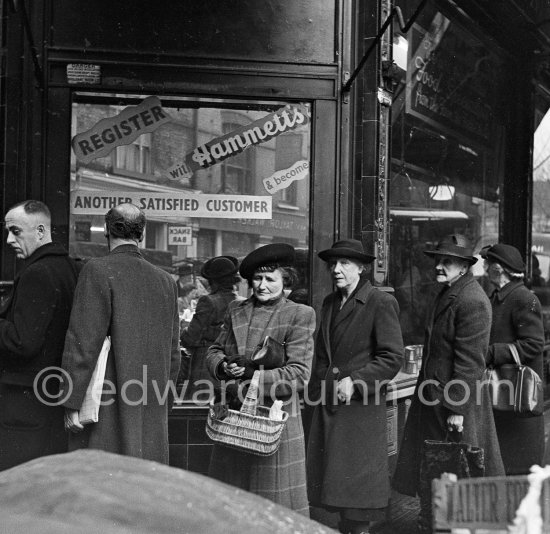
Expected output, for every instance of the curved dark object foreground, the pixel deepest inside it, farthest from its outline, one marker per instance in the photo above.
(90, 491)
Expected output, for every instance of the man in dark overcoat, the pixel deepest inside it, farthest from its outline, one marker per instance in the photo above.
(33, 324)
(126, 297)
(449, 396)
(358, 350)
(517, 319)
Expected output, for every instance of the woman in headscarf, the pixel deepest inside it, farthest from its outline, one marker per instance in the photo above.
(517, 320)
(280, 477)
(359, 349)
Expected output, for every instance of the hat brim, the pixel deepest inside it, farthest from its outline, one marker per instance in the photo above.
(343, 252)
(491, 256)
(470, 259)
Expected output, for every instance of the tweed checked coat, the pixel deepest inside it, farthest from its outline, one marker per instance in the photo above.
(453, 361)
(280, 477)
(517, 319)
(202, 331)
(347, 459)
(135, 302)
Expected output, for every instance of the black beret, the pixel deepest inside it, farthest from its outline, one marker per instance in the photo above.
(507, 256)
(275, 253)
(219, 267)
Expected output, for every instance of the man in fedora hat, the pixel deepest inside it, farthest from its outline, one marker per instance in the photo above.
(517, 320)
(447, 397)
(359, 347)
(221, 274)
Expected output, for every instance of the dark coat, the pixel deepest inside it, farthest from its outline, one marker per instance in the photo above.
(202, 331)
(32, 334)
(517, 319)
(453, 361)
(135, 302)
(280, 477)
(347, 451)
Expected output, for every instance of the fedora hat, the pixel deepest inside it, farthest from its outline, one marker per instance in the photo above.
(275, 253)
(455, 245)
(346, 248)
(219, 267)
(507, 255)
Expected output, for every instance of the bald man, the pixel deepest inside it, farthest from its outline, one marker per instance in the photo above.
(32, 333)
(135, 302)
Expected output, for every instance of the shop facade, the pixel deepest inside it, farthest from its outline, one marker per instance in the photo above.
(239, 123)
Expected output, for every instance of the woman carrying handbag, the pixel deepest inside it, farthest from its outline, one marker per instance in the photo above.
(517, 320)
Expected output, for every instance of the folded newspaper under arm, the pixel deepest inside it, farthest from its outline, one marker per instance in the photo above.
(89, 411)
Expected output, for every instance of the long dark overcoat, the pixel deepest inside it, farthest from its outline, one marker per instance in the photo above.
(347, 455)
(135, 302)
(202, 331)
(280, 477)
(453, 361)
(517, 319)
(32, 334)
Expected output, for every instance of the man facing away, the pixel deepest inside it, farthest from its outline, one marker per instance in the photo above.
(123, 296)
(33, 324)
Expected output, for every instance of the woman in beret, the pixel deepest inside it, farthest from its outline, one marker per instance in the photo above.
(205, 326)
(280, 477)
(359, 349)
(517, 319)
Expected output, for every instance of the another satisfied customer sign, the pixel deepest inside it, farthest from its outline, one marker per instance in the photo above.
(174, 204)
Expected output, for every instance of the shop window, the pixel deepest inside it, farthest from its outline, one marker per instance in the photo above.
(208, 173)
(135, 157)
(448, 139)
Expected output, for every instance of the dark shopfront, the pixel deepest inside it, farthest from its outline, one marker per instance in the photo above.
(228, 122)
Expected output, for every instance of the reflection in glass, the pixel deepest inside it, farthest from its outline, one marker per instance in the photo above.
(447, 145)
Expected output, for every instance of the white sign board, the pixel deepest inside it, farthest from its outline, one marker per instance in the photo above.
(174, 204)
(83, 73)
(180, 235)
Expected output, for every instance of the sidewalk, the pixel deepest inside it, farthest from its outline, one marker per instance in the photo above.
(403, 513)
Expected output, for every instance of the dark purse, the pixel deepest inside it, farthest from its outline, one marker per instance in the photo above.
(438, 457)
(270, 354)
(515, 387)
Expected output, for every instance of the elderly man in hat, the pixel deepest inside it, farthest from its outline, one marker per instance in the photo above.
(359, 349)
(448, 398)
(205, 326)
(517, 320)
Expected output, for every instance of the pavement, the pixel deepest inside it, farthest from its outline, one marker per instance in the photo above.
(403, 510)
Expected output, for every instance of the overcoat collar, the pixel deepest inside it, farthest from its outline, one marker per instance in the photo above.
(360, 297)
(503, 292)
(49, 249)
(126, 249)
(448, 294)
(240, 319)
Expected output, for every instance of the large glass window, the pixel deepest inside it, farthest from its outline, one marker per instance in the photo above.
(213, 177)
(447, 145)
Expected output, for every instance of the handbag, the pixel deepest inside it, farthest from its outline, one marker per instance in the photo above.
(271, 354)
(438, 457)
(515, 387)
(249, 429)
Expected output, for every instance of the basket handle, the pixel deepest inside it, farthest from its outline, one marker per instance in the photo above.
(251, 400)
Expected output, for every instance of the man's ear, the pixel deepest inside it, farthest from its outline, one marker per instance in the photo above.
(140, 238)
(41, 231)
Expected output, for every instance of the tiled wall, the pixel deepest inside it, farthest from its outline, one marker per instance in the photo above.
(190, 448)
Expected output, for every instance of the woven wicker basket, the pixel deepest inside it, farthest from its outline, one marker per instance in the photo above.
(250, 429)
